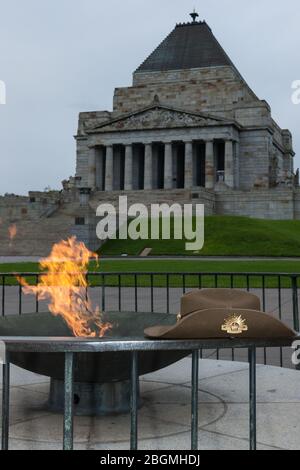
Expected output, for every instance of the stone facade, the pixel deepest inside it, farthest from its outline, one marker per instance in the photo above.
(187, 128)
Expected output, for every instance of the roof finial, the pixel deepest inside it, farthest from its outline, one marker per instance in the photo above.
(194, 15)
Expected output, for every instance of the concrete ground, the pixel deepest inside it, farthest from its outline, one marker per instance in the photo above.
(164, 419)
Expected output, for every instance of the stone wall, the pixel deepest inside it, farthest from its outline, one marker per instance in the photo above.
(254, 159)
(82, 159)
(13, 208)
(297, 204)
(208, 198)
(255, 114)
(34, 206)
(206, 90)
(277, 204)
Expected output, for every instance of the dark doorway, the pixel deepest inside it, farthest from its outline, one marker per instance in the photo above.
(220, 160)
(100, 168)
(119, 167)
(158, 166)
(138, 166)
(199, 164)
(178, 164)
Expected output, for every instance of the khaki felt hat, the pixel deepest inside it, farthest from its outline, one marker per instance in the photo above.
(223, 323)
(217, 298)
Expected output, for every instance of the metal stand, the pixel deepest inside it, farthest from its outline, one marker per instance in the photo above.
(252, 397)
(134, 402)
(69, 400)
(92, 399)
(5, 403)
(195, 377)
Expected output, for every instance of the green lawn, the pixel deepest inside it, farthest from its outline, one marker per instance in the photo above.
(176, 266)
(224, 236)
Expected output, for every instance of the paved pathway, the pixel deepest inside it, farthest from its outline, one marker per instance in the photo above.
(19, 259)
(164, 419)
(34, 259)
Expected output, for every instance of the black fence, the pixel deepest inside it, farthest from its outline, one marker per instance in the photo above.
(161, 292)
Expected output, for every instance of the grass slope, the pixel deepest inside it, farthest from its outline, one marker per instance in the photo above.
(224, 236)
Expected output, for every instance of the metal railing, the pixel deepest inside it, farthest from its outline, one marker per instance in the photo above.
(161, 292)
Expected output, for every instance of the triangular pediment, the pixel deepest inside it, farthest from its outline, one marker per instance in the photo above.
(158, 117)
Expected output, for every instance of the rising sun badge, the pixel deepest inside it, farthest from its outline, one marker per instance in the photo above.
(234, 325)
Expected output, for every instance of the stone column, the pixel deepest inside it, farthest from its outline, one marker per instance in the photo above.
(148, 179)
(168, 166)
(209, 165)
(188, 170)
(109, 166)
(128, 168)
(92, 168)
(229, 164)
(236, 153)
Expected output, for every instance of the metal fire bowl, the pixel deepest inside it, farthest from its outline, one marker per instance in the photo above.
(100, 367)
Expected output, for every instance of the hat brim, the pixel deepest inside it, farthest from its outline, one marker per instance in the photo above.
(205, 324)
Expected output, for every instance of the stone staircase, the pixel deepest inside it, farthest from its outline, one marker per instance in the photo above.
(35, 237)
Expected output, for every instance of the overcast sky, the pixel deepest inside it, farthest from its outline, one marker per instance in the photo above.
(61, 57)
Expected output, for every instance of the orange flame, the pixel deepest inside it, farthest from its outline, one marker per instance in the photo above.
(12, 232)
(64, 283)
